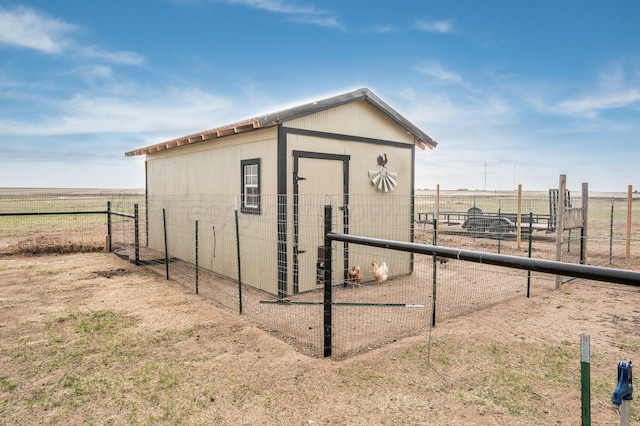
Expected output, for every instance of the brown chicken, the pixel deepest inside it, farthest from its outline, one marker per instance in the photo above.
(354, 276)
(380, 273)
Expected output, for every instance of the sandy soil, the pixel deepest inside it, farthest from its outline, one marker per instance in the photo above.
(93, 339)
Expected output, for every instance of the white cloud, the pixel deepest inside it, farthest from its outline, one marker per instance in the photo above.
(617, 86)
(435, 26)
(27, 28)
(303, 14)
(437, 71)
(99, 71)
(591, 105)
(384, 29)
(127, 110)
(122, 57)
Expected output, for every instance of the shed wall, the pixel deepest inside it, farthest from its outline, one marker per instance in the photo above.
(204, 180)
(357, 119)
(369, 209)
(183, 180)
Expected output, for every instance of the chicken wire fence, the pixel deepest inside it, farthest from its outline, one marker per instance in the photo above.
(269, 264)
(65, 221)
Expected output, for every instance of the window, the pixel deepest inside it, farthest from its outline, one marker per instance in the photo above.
(251, 186)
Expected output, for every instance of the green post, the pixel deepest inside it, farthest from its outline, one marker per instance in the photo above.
(585, 379)
(239, 263)
(435, 274)
(530, 241)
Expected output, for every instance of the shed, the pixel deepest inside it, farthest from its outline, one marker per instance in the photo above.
(330, 149)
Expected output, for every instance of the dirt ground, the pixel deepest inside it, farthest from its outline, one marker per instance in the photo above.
(92, 339)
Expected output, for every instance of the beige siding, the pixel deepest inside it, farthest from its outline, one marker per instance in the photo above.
(183, 181)
(372, 212)
(357, 119)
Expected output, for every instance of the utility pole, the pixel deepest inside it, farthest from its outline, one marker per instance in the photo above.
(485, 175)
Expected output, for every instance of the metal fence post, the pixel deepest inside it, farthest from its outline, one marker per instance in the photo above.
(435, 275)
(239, 263)
(136, 233)
(585, 379)
(327, 283)
(530, 249)
(196, 256)
(166, 246)
(611, 235)
(109, 236)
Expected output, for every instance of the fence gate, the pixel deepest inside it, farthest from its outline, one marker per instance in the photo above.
(354, 317)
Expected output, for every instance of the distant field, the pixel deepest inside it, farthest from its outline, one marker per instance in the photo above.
(68, 191)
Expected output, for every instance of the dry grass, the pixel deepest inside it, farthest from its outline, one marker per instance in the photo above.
(92, 339)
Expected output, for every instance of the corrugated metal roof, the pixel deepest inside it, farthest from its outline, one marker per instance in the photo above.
(422, 140)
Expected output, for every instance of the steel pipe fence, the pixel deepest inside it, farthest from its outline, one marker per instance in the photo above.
(201, 239)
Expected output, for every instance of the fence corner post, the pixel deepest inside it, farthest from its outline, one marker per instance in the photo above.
(327, 283)
(136, 232)
(109, 237)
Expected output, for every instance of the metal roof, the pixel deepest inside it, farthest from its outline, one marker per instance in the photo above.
(422, 140)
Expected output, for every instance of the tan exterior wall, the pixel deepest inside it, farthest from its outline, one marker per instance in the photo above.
(182, 181)
(369, 208)
(357, 119)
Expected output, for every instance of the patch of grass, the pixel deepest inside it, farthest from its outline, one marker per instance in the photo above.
(7, 385)
(630, 344)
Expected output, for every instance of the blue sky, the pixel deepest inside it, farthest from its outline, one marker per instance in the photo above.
(514, 92)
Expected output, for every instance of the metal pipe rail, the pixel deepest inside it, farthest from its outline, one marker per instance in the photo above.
(66, 213)
(619, 276)
(51, 213)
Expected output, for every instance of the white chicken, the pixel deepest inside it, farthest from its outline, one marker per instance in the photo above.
(380, 273)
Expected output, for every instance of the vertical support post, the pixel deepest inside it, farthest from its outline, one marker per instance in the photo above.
(629, 204)
(146, 218)
(519, 218)
(530, 249)
(562, 193)
(239, 261)
(625, 413)
(109, 236)
(328, 298)
(611, 234)
(435, 275)
(436, 216)
(136, 233)
(166, 246)
(197, 269)
(499, 228)
(585, 223)
(585, 379)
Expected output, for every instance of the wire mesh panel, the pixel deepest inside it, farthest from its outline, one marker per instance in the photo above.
(47, 220)
(268, 263)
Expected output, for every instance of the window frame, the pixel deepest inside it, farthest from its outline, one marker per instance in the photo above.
(245, 207)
